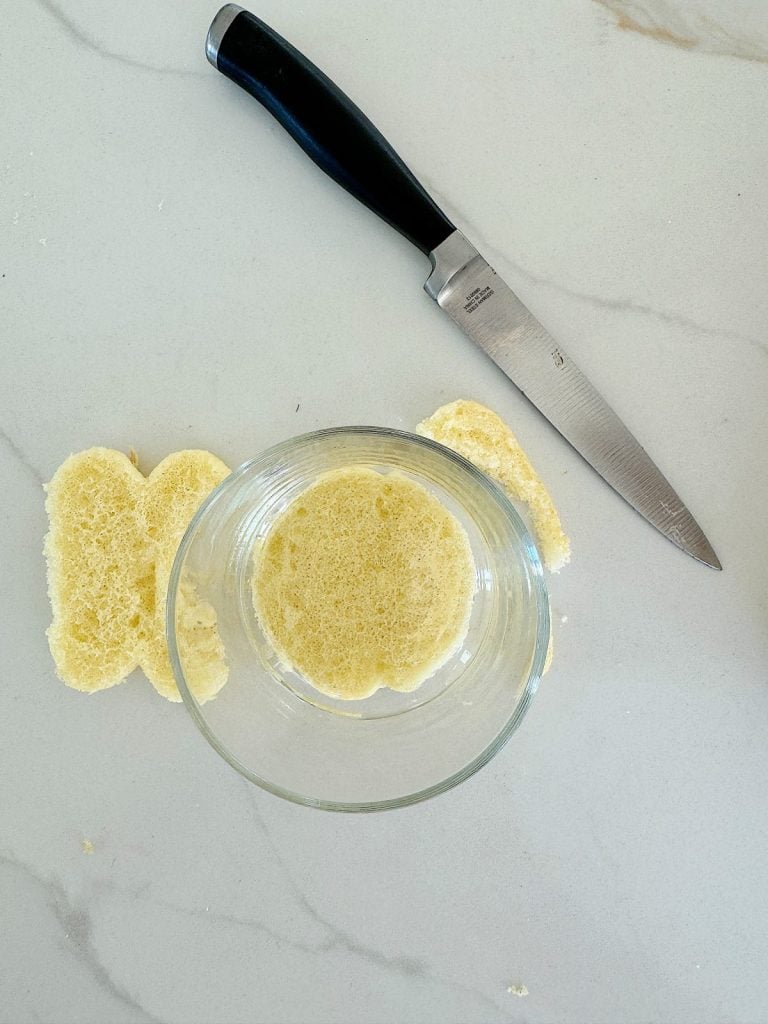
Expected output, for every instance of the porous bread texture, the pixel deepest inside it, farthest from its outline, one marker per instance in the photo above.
(98, 571)
(366, 580)
(484, 439)
(110, 548)
(174, 491)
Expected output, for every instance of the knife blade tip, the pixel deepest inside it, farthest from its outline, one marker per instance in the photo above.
(703, 552)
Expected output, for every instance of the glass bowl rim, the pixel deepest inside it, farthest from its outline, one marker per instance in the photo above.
(539, 594)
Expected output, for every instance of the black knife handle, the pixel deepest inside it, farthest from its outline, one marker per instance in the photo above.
(326, 124)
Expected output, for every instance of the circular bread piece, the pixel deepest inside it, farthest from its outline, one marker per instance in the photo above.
(365, 580)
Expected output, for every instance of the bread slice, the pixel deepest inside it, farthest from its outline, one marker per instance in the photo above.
(484, 439)
(111, 544)
(366, 580)
(95, 568)
(173, 493)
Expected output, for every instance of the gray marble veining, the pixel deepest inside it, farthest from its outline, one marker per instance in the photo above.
(77, 33)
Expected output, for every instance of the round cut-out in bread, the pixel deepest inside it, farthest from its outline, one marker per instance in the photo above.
(366, 580)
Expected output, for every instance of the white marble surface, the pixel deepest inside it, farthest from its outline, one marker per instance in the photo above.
(174, 274)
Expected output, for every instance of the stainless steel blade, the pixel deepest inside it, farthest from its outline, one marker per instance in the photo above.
(490, 313)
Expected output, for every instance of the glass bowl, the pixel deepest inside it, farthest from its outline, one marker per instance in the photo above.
(390, 749)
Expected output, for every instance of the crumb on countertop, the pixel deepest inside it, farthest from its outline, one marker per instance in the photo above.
(87, 846)
(517, 990)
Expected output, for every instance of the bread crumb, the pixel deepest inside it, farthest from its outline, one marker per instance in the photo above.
(517, 990)
(484, 439)
(87, 846)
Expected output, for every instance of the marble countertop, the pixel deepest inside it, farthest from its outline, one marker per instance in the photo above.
(176, 274)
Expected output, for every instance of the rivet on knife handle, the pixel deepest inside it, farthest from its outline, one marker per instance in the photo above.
(326, 124)
(343, 142)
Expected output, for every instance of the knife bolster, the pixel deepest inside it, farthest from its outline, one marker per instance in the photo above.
(448, 259)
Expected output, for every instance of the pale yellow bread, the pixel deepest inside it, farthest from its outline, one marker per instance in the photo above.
(484, 439)
(112, 540)
(366, 580)
(173, 493)
(95, 568)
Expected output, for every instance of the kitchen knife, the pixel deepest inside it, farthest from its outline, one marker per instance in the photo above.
(343, 143)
